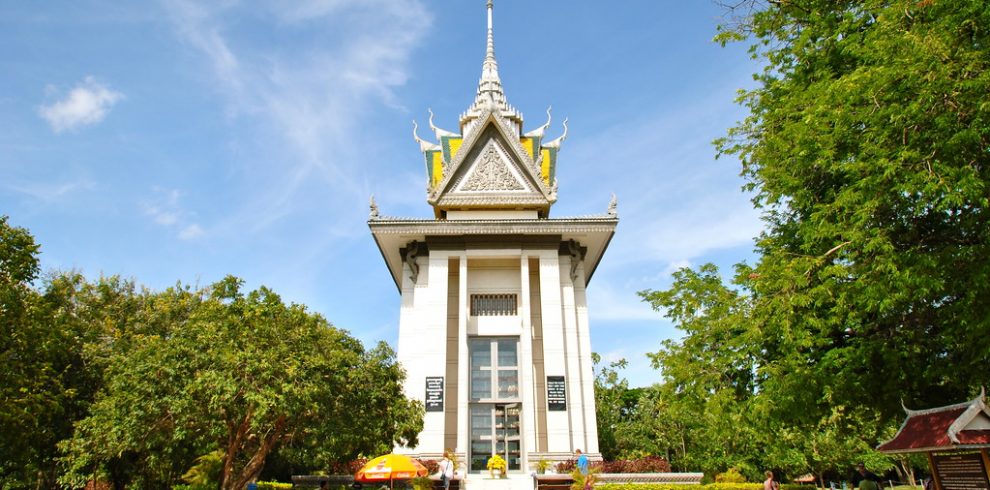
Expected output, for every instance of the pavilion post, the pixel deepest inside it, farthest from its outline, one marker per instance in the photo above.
(931, 466)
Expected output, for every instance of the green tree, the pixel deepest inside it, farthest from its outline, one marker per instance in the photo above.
(610, 390)
(867, 148)
(45, 383)
(243, 374)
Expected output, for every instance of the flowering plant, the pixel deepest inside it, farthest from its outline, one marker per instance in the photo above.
(496, 463)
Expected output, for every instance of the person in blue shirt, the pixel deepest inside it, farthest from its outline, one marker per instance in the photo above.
(582, 462)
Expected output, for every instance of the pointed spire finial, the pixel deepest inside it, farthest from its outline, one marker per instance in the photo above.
(490, 87)
(489, 69)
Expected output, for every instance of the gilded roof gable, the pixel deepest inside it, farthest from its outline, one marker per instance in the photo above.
(492, 170)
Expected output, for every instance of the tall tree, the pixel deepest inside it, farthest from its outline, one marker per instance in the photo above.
(867, 148)
(242, 374)
(45, 381)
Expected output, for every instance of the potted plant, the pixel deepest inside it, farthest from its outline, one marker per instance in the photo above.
(496, 466)
(541, 466)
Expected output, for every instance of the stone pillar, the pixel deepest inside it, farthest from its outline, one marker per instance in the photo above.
(463, 375)
(429, 347)
(526, 368)
(575, 405)
(558, 426)
(587, 373)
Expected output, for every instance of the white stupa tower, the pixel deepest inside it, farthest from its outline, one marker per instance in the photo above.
(493, 330)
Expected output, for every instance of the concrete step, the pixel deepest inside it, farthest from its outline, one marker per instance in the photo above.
(514, 481)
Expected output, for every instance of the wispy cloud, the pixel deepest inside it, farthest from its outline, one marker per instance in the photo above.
(49, 191)
(88, 103)
(164, 209)
(313, 98)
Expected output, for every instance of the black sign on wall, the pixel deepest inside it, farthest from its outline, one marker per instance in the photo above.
(556, 394)
(961, 471)
(434, 394)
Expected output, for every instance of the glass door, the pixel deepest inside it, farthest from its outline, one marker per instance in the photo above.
(494, 404)
(507, 434)
(495, 430)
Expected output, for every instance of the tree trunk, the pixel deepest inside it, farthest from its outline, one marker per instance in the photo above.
(908, 471)
(234, 441)
(253, 467)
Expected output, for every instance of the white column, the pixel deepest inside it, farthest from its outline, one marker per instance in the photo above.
(575, 405)
(558, 430)
(407, 333)
(587, 374)
(528, 392)
(430, 344)
(463, 376)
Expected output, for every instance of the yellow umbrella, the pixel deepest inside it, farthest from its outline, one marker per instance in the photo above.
(390, 467)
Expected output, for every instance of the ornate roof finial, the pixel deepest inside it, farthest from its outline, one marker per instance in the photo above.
(556, 143)
(538, 132)
(423, 145)
(613, 206)
(372, 208)
(438, 131)
(489, 69)
(490, 86)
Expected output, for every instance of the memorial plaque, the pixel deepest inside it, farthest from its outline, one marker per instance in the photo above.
(434, 394)
(556, 394)
(961, 471)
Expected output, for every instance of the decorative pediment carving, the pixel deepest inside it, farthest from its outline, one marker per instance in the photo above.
(491, 172)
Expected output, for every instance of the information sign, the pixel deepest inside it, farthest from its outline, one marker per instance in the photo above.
(961, 471)
(434, 394)
(556, 394)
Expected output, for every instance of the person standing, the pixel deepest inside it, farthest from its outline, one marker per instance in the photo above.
(446, 470)
(770, 483)
(582, 462)
(865, 479)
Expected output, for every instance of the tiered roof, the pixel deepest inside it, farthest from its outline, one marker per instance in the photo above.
(961, 426)
(491, 163)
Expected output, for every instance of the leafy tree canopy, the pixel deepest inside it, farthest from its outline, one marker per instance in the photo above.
(867, 148)
(242, 373)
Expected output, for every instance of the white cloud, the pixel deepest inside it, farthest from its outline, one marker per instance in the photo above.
(87, 103)
(191, 232)
(166, 210)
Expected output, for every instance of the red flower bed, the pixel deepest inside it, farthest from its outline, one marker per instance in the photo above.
(649, 464)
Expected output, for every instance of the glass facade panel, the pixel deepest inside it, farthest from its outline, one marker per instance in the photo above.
(507, 353)
(481, 384)
(481, 353)
(508, 383)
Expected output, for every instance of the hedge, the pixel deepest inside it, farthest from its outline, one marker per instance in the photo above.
(692, 486)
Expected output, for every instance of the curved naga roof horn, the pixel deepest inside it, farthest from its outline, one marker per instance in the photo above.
(438, 131)
(538, 132)
(556, 143)
(423, 145)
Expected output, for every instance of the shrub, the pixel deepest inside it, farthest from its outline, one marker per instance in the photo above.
(647, 464)
(732, 475)
(273, 485)
(565, 467)
(431, 465)
(347, 467)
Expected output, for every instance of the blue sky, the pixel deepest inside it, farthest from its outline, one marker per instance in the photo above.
(184, 141)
